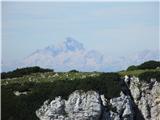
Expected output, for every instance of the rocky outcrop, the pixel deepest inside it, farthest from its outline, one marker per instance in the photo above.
(79, 106)
(120, 108)
(86, 106)
(138, 101)
(147, 97)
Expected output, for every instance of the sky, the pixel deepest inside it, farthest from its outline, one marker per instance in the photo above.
(113, 28)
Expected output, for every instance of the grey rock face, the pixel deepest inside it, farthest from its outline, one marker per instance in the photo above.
(79, 106)
(83, 106)
(53, 110)
(147, 98)
(123, 107)
(86, 106)
(143, 99)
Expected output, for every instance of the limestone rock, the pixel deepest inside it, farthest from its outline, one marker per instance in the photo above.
(123, 106)
(17, 93)
(53, 110)
(86, 106)
(142, 99)
(135, 88)
(79, 106)
(147, 98)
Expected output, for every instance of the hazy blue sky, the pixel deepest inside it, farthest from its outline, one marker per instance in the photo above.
(111, 28)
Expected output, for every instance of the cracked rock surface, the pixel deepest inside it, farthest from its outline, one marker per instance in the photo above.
(142, 99)
(86, 106)
(147, 98)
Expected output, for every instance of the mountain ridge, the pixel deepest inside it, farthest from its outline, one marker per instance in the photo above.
(72, 54)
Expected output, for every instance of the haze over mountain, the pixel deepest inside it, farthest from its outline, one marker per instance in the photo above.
(72, 54)
(105, 36)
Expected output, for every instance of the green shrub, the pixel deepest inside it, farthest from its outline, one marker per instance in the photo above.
(23, 107)
(19, 72)
(149, 65)
(146, 65)
(133, 67)
(74, 71)
(146, 76)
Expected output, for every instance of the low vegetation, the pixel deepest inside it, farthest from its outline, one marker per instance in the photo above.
(137, 72)
(42, 84)
(146, 65)
(23, 107)
(147, 76)
(145, 71)
(19, 72)
(74, 71)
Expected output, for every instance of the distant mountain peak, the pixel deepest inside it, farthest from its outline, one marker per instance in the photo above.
(73, 45)
(71, 54)
(70, 44)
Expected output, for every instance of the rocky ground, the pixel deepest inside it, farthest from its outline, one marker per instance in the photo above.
(137, 101)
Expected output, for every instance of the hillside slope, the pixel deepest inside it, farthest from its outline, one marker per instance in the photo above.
(77, 95)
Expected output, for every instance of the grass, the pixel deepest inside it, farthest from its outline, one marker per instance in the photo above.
(136, 72)
(49, 77)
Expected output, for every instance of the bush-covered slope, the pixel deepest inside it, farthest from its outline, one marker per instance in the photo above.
(23, 107)
(146, 76)
(149, 68)
(149, 65)
(19, 72)
(146, 65)
(41, 84)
